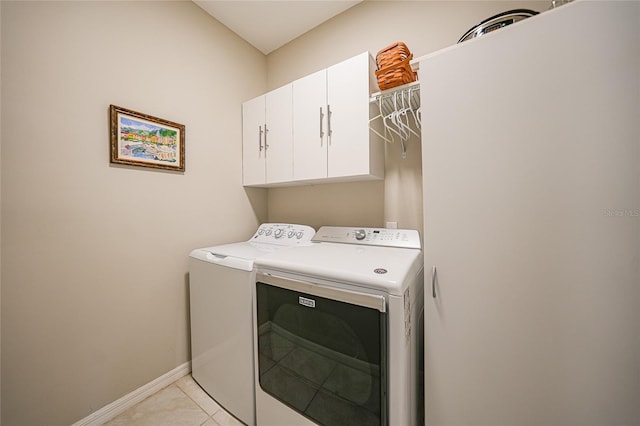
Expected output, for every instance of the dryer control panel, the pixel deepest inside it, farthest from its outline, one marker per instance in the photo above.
(283, 234)
(383, 237)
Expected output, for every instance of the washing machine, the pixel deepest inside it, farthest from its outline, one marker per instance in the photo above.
(337, 335)
(221, 282)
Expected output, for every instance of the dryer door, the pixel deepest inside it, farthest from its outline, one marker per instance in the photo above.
(322, 351)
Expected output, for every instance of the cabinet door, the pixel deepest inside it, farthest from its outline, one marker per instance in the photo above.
(253, 150)
(309, 126)
(279, 136)
(535, 319)
(348, 99)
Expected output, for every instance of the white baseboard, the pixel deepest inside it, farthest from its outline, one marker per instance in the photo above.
(121, 405)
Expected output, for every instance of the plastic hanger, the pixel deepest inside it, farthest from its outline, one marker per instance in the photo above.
(395, 119)
(406, 108)
(413, 113)
(381, 116)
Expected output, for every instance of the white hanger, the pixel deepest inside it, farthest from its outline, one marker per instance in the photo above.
(380, 115)
(394, 110)
(407, 108)
(396, 119)
(417, 113)
(390, 118)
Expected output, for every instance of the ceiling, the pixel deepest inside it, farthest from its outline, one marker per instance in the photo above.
(268, 24)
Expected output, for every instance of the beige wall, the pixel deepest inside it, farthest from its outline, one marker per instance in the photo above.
(94, 256)
(425, 26)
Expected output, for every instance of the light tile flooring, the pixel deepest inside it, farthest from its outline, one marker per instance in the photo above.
(182, 403)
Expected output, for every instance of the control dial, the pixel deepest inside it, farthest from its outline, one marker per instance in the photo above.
(279, 233)
(360, 234)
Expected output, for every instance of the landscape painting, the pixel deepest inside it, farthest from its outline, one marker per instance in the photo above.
(142, 140)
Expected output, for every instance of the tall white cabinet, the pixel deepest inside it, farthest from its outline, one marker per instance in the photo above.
(328, 118)
(531, 168)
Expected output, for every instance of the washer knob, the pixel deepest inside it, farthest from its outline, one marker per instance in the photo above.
(291, 234)
(299, 235)
(360, 234)
(279, 233)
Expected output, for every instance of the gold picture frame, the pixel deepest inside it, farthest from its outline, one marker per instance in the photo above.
(138, 139)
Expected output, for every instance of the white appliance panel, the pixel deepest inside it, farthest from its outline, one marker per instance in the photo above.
(225, 377)
(222, 280)
(350, 267)
(380, 268)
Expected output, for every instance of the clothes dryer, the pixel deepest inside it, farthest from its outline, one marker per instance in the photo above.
(337, 335)
(221, 281)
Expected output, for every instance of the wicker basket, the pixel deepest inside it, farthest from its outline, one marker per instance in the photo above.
(394, 68)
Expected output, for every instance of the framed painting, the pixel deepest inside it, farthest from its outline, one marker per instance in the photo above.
(143, 140)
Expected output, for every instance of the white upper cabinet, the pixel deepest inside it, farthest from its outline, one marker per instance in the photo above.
(253, 150)
(353, 151)
(328, 115)
(267, 152)
(279, 135)
(310, 127)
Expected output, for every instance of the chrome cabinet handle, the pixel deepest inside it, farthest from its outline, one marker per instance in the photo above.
(329, 131)
(433, 281)
(260, 138)
(321, 131)
(266, 145)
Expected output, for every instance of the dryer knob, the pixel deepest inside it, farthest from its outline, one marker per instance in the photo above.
(360, 234)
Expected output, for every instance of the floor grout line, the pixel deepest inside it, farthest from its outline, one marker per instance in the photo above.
(190, 389)
(209, 416)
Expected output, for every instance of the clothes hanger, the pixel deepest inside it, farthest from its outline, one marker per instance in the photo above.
(407, 108)
(395, 119)
(389, 118)
(381, 116)
(413, 112)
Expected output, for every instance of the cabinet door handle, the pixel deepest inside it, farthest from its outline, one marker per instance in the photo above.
(260, 138)
(266, 145)
(329, 131)
(321, 131)
(433, 281)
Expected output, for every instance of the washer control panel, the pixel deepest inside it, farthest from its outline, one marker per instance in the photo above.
(403, 238)
(283, 234)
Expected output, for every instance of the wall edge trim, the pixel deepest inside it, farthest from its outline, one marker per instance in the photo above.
(121, 405)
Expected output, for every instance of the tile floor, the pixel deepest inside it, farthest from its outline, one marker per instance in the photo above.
(182, 403)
